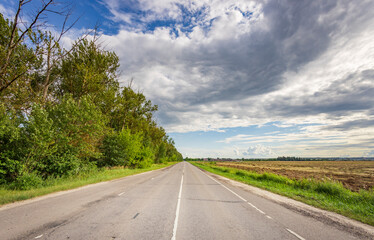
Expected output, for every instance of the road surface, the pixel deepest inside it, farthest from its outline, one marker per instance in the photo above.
(179, 202)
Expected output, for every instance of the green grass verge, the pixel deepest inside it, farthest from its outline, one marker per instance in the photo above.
(65, 183)
(326, 195)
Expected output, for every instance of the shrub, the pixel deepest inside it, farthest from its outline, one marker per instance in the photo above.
(12, 145)
(125, 149)
(115, 149)
(145, 158)
(161, 153)
(27, 181)
(81, 126)
(40, 138)
(60, 164)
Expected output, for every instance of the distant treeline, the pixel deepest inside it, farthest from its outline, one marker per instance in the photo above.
(63, 112)
(279, 159)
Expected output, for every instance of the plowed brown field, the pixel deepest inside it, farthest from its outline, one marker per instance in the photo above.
(354, 175)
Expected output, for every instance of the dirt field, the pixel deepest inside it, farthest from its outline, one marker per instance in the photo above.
(354, 175)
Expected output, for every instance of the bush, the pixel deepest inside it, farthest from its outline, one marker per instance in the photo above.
(40, 138)
(12, 145)
(145, 158)
(125, 149)
(27, 181)
(60, 164)
(120, 148)
(80, 125)
(115, 148)
(161, 153)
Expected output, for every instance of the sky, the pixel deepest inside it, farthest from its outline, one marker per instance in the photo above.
(244, 79)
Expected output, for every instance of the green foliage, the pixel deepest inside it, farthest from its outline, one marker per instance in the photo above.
(132, 110)
(145, 158)
(12, 146)
(161, 153)
(17, 64)
(27, 181)
(114, 150)
(62, 137)
(120, 148)
(126, 149)
(87, 69)
(61, 164)
(80, 125)
(17, 59)
(40, 138)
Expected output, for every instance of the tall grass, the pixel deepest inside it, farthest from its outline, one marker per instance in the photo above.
(8, 195)
(329, 195)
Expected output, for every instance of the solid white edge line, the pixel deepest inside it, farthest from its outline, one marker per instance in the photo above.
(227, 188)
(236, 194)
(177, 211)
(256, 208)
(295, 234)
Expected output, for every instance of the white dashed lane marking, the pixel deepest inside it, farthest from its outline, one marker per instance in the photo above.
(178, 207)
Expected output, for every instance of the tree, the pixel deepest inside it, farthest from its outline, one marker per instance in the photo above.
(132, 110)
(15, 64)
(17, 61)
(89, 70)
(29, 55)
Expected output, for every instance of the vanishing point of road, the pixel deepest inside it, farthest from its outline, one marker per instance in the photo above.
(178, 202)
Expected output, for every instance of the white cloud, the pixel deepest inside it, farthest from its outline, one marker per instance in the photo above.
(236, 152)
(7, 12)
(369, 154)
(204, 152)
(259, 151)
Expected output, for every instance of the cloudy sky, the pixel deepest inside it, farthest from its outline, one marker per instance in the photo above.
(246, 78)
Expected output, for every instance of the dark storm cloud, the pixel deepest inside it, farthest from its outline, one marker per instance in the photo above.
(354, 93)
(362, 123)
(254, 63)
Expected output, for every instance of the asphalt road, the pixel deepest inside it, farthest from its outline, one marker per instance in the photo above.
(180, 202)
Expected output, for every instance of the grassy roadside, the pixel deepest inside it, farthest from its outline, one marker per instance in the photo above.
(55, 185)
(330, 196)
